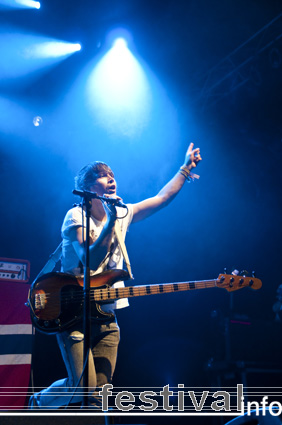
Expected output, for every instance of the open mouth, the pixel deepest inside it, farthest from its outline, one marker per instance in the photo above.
(112, 189)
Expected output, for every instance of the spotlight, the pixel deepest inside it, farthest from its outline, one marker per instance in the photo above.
(120, 43)
(22, 53)
(37, 121)
(37, 5)
(52, 49)
(119, 38)
(76, 47)
(118, 90)
(29, 3)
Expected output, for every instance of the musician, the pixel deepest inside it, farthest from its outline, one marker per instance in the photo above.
(105, 253)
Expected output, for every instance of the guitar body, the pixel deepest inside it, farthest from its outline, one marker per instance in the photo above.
(56, 299)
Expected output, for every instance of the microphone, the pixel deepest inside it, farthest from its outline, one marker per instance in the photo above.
(93, 195)
(85, 193)
(113, 201)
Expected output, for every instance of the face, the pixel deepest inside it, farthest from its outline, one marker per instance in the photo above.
(105, 184)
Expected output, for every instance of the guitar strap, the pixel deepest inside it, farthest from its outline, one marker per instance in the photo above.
(56, 255)
(123, 247)
(51, 263)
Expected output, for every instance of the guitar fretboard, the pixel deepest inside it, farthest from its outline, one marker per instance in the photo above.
(105, 294)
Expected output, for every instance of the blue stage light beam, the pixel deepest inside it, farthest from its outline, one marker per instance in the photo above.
(51, 49)
(20, 4)
(117, 109)
(22, 53)
(118, 92)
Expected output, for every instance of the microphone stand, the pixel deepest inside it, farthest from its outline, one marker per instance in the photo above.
(87, 196)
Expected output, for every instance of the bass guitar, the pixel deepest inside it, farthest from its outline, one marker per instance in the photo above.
(56, 299)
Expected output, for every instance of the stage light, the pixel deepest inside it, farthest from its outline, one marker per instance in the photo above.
(51, 49)
(118, 90)
(120, 43)
(23, 53)
(37, 121)
(119, 37)
(77, 47)
(20, 4)
(29, 3)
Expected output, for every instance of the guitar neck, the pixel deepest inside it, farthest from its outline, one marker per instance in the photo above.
(104, 294)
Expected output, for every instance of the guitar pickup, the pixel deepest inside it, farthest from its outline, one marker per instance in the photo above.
(39, 301)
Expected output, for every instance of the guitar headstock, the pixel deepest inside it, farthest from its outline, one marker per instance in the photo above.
(232, 282)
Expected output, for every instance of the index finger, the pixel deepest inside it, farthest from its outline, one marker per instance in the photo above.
(190, 148)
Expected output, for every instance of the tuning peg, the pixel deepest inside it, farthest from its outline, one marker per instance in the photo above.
(231, 282)
(253, 273)
(225, 270)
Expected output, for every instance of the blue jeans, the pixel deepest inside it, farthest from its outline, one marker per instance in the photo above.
(102, 362)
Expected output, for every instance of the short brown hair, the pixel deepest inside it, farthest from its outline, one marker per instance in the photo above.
(87, 175)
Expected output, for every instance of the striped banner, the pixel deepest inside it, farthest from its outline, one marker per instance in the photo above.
(15, 345)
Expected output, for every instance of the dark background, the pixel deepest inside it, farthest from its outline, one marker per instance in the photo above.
(219, 64)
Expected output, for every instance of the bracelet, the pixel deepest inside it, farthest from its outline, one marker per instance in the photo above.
(184, 170)
(186, 177)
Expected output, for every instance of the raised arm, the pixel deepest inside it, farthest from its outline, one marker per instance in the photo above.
(149, 206)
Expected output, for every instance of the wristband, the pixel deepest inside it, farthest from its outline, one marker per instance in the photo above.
(184, 170)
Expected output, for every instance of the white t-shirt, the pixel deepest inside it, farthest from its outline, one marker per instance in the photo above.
(70, 260)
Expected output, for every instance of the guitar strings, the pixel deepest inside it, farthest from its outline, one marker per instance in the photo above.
(156, 289)
(109, 293)
(100, 294)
